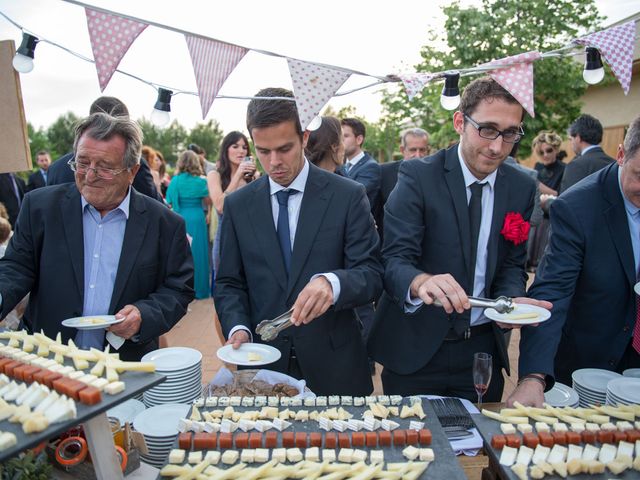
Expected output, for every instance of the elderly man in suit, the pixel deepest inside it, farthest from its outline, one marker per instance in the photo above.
(588, 272)
(97, 246)
(585, 134)
(301, 238)
(39, 179)
(454, 227)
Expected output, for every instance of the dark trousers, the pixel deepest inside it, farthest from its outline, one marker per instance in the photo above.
(365, 314)
(449, 372)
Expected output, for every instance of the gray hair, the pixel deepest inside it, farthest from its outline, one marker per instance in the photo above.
(415, 131)
(103, 127)
(631, 143)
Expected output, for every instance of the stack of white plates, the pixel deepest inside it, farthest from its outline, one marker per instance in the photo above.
(591, 385)
(631, 372)
(561, 396)
(126, 411)
(182, 367)
(623, 391)
(159, 425)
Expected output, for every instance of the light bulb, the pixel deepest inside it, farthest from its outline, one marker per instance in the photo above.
(22, 63)
(449, 103)
(593, 76)
(315, 124)
(160, 118)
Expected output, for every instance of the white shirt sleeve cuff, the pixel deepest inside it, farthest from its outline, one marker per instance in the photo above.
(241, 327)
(333, 279)
(412, 305)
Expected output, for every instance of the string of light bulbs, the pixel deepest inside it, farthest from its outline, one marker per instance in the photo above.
(23, 62)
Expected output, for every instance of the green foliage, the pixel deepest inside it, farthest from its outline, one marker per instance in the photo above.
(209, 136)
(494, 30)
(60, 135)
(38, 140)
(26, 467)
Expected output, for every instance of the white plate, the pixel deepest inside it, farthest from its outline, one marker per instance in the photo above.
(161, 421)
(636, 288)
(561, 396)
(126, 411)
(543, 314)
(85, 323)
(268, 353)
(173, 358)
(631, 372)
(625, 388)
(594, 380)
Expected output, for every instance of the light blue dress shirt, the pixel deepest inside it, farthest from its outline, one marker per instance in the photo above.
(633, 218)
(103, 238)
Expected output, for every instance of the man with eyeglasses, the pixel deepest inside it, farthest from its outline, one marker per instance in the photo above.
(443, 242)
(97, 247)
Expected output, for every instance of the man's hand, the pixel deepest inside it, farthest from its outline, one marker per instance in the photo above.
(314, 299)
(131, 324)
(238, 338)
(530, 301)
(443, 288)
(529, 393)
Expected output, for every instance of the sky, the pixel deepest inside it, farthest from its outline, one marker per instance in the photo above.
(372, 37)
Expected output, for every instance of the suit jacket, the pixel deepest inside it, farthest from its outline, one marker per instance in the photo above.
(335, 233)
(59, 172)
(388, 179)
(588, 272)
(427, 230)
(36, 180)
(45, 257)
(583, 166)
(367, 172)
(8, 195)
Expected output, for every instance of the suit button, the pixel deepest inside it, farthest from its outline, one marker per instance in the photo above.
(626, 328)
(285, 339)
(612, 363)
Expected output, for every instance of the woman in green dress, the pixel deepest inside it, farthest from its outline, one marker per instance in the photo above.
(186, 192)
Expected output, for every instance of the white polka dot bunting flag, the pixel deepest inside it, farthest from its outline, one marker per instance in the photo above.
(415, 82)
(111, 36)
(212, 63)
(313, 87)
(518, 78)
(616, 46)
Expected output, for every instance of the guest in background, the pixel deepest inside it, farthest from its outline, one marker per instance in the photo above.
(185, 195)
(39, 179)
(12, 189)
(550, 171)
(165, 179)
(325, 147)
(233, 173)
(151, 156)
(207, 166)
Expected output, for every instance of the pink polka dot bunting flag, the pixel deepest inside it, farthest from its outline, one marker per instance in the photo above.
(415, 82)
(313, 87)
(518, 78)
(212, 63)
(111, 36)
(616, 45)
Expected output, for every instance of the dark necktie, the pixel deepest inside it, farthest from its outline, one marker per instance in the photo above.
(475, 218)
(635, 343)
(284, 234)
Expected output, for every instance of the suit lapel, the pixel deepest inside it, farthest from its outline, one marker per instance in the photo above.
(358, 166)
(133, 239)
(312, 210)
(616, 217)
(500, 196)
(71, 209)
(261, 216)
(455, 183)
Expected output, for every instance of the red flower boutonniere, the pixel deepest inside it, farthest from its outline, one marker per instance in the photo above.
(515, 228)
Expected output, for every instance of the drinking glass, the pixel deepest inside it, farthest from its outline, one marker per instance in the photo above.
(482, 367)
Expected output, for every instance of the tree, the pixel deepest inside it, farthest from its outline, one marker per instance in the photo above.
(494, 30)
(170, 140)
(38, 141)
(208, 136)
(61, 133)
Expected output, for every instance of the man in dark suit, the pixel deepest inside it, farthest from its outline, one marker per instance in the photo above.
(99, 247)
(301, 238)
(39, 179)
(359, 165)
(59, 171)
(12, 190)
(586, 135)
(443, 241)
(588, 273)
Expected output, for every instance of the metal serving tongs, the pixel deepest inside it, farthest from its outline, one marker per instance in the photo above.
(269, 329)
(501, 304)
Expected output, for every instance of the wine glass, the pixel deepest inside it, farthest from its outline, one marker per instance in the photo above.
(482, 367)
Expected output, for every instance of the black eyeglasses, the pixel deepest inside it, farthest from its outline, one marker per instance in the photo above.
(491, 133)
(103, 173)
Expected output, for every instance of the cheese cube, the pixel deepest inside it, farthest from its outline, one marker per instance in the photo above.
(541, 427)
(508, 456)
(345, 455)
(346, 400)
(558, 454)
(608, 426)
(285, 401)
(560, 427)
(591, 427)
(358, 401)
(195, 457)
(413, 425)
(273, 401)
(624, 426)
(524, 428)
(328, 455)
(247, 455)
(213, 457)
(295, 402)
(577, 427)
(334, 400)
(176, 456)
(312, 454)
(309, 402)
(321, 401)
(590, 452)
(411, 452)
(247, 401)
(279, 455)
(607, 453)
(294, 455)
(261, 455)
(575, 452)
(359, 456)
(229, 457)
(211, 401)
(507, 428)
(260, 401)
(376, 456)
(524, 455)
(427, 455)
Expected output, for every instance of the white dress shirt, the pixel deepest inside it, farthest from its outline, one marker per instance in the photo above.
(488, 195)
(349, 164)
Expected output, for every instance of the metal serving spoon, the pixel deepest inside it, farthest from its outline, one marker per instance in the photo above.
(501, 304)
